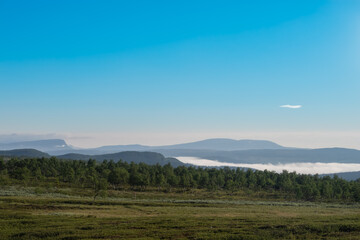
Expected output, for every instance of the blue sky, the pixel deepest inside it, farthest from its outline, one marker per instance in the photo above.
(181, 70)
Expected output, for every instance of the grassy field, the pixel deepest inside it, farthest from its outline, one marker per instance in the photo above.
(32, 213)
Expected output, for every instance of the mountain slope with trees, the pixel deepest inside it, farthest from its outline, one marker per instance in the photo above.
(127, 156)
(24, 153)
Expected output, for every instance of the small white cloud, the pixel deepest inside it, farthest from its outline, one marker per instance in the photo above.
(291, 106)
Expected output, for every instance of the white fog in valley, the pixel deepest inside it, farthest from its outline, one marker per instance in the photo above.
(301, 167)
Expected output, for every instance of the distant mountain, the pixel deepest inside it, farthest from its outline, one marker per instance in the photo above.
(350, 176)
(100, 150)
(219, 144)
(274, 156)
(224, 144)
(128, 156)
(29, 153)
(49, 146)
(220, 149)
(134, 147)
(150, 158)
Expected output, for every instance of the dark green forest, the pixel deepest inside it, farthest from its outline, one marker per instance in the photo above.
(101, 176)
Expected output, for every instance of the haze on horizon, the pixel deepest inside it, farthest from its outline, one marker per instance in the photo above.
(100, 73)
(286, 139)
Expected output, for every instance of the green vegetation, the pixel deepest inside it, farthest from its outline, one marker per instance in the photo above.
(67, 213)
(48, 198)
(122, 175)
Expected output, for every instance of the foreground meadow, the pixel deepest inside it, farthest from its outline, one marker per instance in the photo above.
(32, 213)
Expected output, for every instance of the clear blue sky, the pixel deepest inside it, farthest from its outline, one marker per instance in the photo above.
(179, 66)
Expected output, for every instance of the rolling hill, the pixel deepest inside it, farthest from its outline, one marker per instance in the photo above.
(22, 153)
(127, 156)
(150, 158)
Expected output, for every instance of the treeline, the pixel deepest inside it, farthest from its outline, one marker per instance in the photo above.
(117, 175)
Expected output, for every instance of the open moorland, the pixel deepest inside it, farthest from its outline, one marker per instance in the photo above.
(36, 213)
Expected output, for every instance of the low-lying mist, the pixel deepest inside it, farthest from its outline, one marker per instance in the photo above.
(301, 167)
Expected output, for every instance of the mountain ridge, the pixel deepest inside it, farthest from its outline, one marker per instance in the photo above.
(150, 158)
(30, 153)
(273, 156)
(60, 147)
(127, 156)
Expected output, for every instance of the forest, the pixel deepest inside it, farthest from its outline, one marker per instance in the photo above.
(101, 176)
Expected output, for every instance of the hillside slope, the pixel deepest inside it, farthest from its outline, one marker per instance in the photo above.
(29, 153)
(127, 156)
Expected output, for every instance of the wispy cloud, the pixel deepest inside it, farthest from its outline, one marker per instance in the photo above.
(291, 106)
